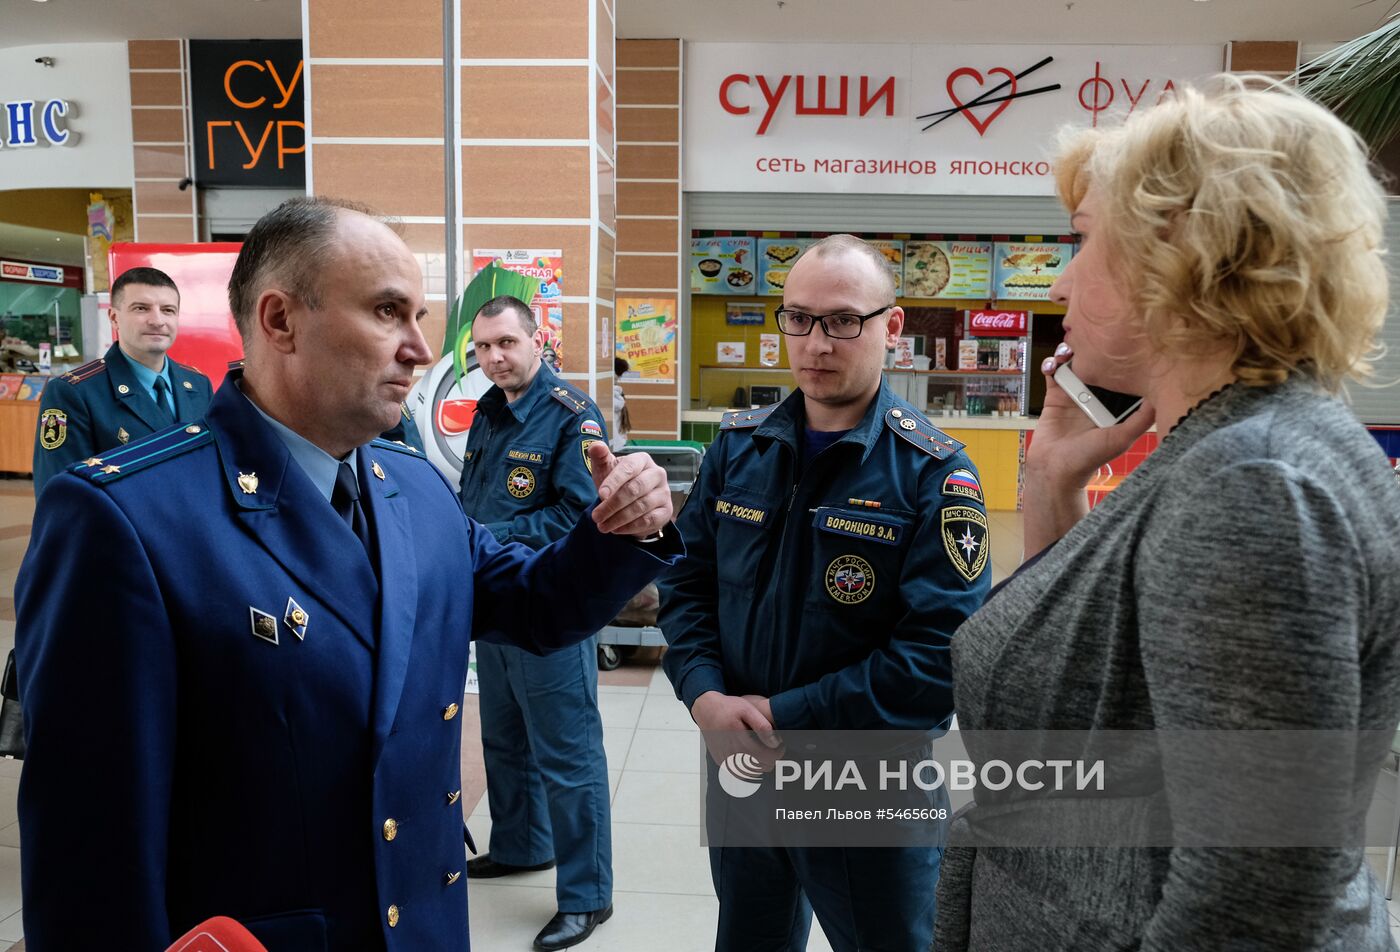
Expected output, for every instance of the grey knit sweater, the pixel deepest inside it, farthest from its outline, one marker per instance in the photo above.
(1246, 576)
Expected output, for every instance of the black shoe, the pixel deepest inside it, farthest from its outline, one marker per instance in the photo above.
(484, 867)
(570, 928)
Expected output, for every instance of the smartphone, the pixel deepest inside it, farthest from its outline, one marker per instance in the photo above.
(1104, 407)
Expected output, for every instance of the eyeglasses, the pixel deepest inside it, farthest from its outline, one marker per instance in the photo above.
(796, 323)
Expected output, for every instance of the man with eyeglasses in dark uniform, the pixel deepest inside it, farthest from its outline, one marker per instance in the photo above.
(836, 541)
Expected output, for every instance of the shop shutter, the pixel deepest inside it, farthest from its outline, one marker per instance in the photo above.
(1381, 404)
(923, 214)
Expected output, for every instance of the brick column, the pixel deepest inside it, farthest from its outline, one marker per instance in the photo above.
(374, 119)
(651, 250)
(159, 77)
(1271, 57)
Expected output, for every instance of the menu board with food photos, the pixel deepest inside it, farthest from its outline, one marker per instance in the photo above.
(776, 256)
(894, 259)
(1025, 270)
(948, 269)
(722, 265)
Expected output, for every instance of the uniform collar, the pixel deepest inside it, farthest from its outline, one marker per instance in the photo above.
(145, 376)
(784, 425)
(319, 466)
(539, 388)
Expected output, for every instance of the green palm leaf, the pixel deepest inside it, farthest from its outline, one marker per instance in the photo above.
(1360, 82)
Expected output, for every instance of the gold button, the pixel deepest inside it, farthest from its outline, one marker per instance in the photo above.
(391, 829)
(450, 711)
(188, 385)
(123, 389)
(298, 617)
(453, 797)
(451, 878)
(393, 916)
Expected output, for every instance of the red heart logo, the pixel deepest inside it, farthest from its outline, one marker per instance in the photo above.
(981, 124)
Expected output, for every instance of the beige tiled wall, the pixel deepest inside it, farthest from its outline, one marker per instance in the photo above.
(160, 142)
(649, 241)
(535, 153)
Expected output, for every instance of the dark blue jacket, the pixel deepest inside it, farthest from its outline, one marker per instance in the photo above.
(802, 591)
(197, 748)
(101, 404)
(525, 471)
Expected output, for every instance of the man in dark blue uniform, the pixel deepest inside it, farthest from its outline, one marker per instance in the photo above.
(835, 543)
(525, 477)
(271, 611)
(132, 391)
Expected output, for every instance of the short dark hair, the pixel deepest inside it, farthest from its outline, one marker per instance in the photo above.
(509, 302)
(149, 276)
(285, 245)
(620, 366)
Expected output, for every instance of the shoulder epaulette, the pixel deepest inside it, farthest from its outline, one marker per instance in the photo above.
(189, 369)
(88, 370)
(572, 399)
(236, 364)
(407, 413)
(143, 453)
(920, 433)
(398, 446)
(745, 419)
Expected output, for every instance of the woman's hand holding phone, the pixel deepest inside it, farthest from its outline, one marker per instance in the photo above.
(1064, 454)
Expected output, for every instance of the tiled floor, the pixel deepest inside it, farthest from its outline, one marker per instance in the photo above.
(662, 891)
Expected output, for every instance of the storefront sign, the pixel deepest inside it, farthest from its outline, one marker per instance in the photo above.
(646, 337)
(30, 123)
(249, 124)
(20, 271)
(722, 265)
(908, 119)
(1024, 272)
(547, 265)
(998, 323)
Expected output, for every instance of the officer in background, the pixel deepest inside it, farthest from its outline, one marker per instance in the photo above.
(526, 477)
(271, 611)
(835, 542)
(132, 391)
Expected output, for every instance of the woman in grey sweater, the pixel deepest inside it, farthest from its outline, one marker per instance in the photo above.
(1245, 577)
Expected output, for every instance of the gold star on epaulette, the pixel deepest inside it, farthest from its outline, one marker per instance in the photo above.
(109, 469)
(92, 461)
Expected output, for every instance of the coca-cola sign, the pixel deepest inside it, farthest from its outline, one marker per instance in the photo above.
(998, 323)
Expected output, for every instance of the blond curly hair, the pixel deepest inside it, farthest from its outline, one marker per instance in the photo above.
(1242, 212)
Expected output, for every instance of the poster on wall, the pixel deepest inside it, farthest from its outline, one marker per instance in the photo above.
(729, 352)
(893, 251)
(722, 265)
(1025, 271)
(547, 266)
(646, 338)
(948, 269)
(776, 256)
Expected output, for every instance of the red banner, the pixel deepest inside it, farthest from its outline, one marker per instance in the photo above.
(998, 323)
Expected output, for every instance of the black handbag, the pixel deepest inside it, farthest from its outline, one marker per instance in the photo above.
(11, 716)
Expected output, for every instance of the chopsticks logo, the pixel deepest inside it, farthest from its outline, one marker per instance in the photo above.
(989, 97)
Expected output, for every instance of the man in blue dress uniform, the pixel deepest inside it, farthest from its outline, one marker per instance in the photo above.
(835, 543)
(525, 477)
(242, 643)
(131, 392)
